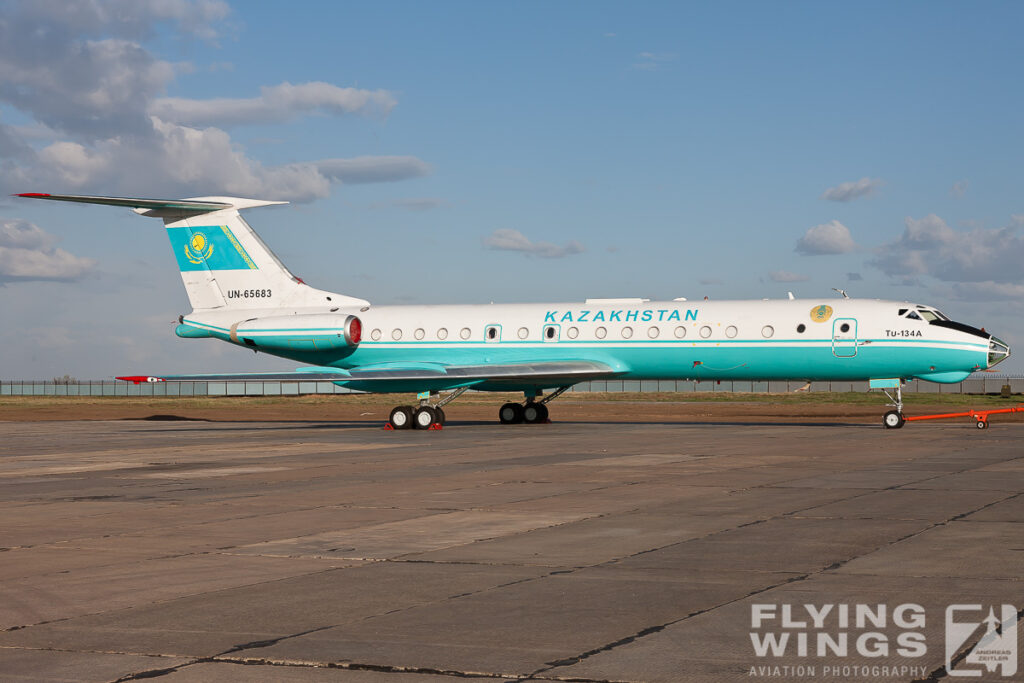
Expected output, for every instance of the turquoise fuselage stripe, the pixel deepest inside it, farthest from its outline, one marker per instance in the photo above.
(650, 359)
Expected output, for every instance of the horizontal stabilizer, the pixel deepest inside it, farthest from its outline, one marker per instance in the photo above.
(197, 204)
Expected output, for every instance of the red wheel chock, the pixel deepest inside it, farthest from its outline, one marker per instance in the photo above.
(980, 416)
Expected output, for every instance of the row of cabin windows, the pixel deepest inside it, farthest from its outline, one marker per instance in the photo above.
(551, 333)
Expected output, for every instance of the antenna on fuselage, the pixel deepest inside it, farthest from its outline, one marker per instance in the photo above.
(791, 297)
(841, 291)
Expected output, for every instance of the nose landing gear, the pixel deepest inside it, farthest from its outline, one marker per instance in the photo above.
(894, 419)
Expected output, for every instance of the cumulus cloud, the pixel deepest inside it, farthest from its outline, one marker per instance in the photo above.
(855, 189)
(828, 238)
(125, 18)
(786, 276)
(27, 253)
(275, 104)
(507, 239)
(929, 246)
(989, 291)
(101, 125)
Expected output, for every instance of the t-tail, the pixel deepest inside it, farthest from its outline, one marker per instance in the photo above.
(223, 262)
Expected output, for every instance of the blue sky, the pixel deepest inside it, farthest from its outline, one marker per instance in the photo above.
(507, 152)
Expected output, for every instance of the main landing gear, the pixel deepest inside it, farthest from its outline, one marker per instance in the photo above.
(894, 418)
(424, 416)
(530, 412)
(431, 416)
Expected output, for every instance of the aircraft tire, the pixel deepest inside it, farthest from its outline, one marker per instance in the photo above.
(893, 419)
(534, 413)
(424, 417)
(982, 424)
(510, 414)
(401, 417)
(441, 418)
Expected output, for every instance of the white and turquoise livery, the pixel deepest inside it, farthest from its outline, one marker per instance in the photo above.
(242, 294)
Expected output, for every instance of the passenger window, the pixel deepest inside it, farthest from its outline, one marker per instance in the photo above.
(627, 332)
(550, 333)
(492, 333)
(465, 333)
(572, 332)
(442, 333)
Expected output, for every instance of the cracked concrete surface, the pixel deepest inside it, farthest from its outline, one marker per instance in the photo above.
(204, 551)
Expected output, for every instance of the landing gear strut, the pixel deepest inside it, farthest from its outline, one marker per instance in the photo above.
(426, 416)
(531, 411)
(894, 418)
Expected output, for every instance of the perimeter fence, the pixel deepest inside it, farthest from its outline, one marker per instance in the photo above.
(988, 384)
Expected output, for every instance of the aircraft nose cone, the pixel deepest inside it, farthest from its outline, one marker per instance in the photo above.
(998, 351)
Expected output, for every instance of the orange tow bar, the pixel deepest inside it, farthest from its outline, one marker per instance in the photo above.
(980, 416)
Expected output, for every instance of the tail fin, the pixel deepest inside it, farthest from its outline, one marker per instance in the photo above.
(223, 262)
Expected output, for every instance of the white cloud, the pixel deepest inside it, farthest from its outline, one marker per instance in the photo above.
(828, 238)
(959, 189)
(127, 18)
(275, 104)
(650, 61)
(989, 291)
(845, 192)
(27, 253)
(786, 276)
(99, 123)
(507, 239)
(929, 246)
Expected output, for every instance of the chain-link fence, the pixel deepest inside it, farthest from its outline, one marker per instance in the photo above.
(987, 384)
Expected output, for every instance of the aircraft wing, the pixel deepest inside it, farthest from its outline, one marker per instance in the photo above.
(391, 378)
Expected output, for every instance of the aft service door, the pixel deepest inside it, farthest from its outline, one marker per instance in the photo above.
(844, 337)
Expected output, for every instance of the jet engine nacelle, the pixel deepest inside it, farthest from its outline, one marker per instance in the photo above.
(309, 332)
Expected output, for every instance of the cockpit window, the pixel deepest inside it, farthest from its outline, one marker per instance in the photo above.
(907, 313)
(930, 315)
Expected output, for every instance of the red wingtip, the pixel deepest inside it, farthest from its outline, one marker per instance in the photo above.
(31, 194)
(139, 379)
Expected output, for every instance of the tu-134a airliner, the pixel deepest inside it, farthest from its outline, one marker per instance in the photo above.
(242, 294)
